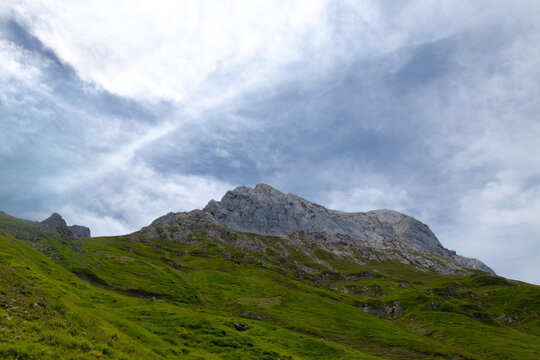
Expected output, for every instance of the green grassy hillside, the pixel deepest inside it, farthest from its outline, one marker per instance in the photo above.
(136, 297)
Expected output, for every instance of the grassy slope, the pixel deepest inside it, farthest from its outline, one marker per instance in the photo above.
(133, 298)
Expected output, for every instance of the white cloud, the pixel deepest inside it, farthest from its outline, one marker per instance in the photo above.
(166, 49)
(500, 221)
(477, 127)
(368, 198)
(130, 197)
(484, 133)
(18, 68)
(204, 52)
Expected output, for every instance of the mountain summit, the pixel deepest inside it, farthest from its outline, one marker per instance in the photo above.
(257, 275)
(374, 235)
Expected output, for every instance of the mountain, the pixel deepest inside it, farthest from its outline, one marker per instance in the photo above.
(257, 275)
(56, 226)
(375, 235)
(53, 226)
(79, 231)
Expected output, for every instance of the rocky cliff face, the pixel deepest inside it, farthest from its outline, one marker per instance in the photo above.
(79, 231)
(373, 235)
(56, 226)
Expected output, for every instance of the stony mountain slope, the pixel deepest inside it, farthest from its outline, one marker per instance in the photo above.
(379, 234)
(79, 231)
(53, 226)
(189, 287)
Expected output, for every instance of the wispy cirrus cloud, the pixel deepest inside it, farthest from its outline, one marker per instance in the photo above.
(180, 44)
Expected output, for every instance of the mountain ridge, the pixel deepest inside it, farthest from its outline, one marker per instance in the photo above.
(376, 235)
(266, 211)
(187, 286)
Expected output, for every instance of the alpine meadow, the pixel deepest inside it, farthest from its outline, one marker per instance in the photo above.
(270, 179)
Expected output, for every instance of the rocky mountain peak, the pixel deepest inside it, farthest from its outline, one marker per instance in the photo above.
(267, 189)
(56, 226)
(79, 231)
(54, 218)
(267, 211)
(264, 210)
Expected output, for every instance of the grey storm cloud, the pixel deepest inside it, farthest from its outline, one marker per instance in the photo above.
(424, 109)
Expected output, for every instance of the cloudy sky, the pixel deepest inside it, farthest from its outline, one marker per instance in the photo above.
(114, 113)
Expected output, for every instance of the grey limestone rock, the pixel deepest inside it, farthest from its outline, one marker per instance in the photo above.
(56, 226)
(242, 326)
(375, 235)
(79, 231)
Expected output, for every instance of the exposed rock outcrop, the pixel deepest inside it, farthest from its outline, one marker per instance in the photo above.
(242, 326)
(56, 226)
(79, 231)
(375, 235)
